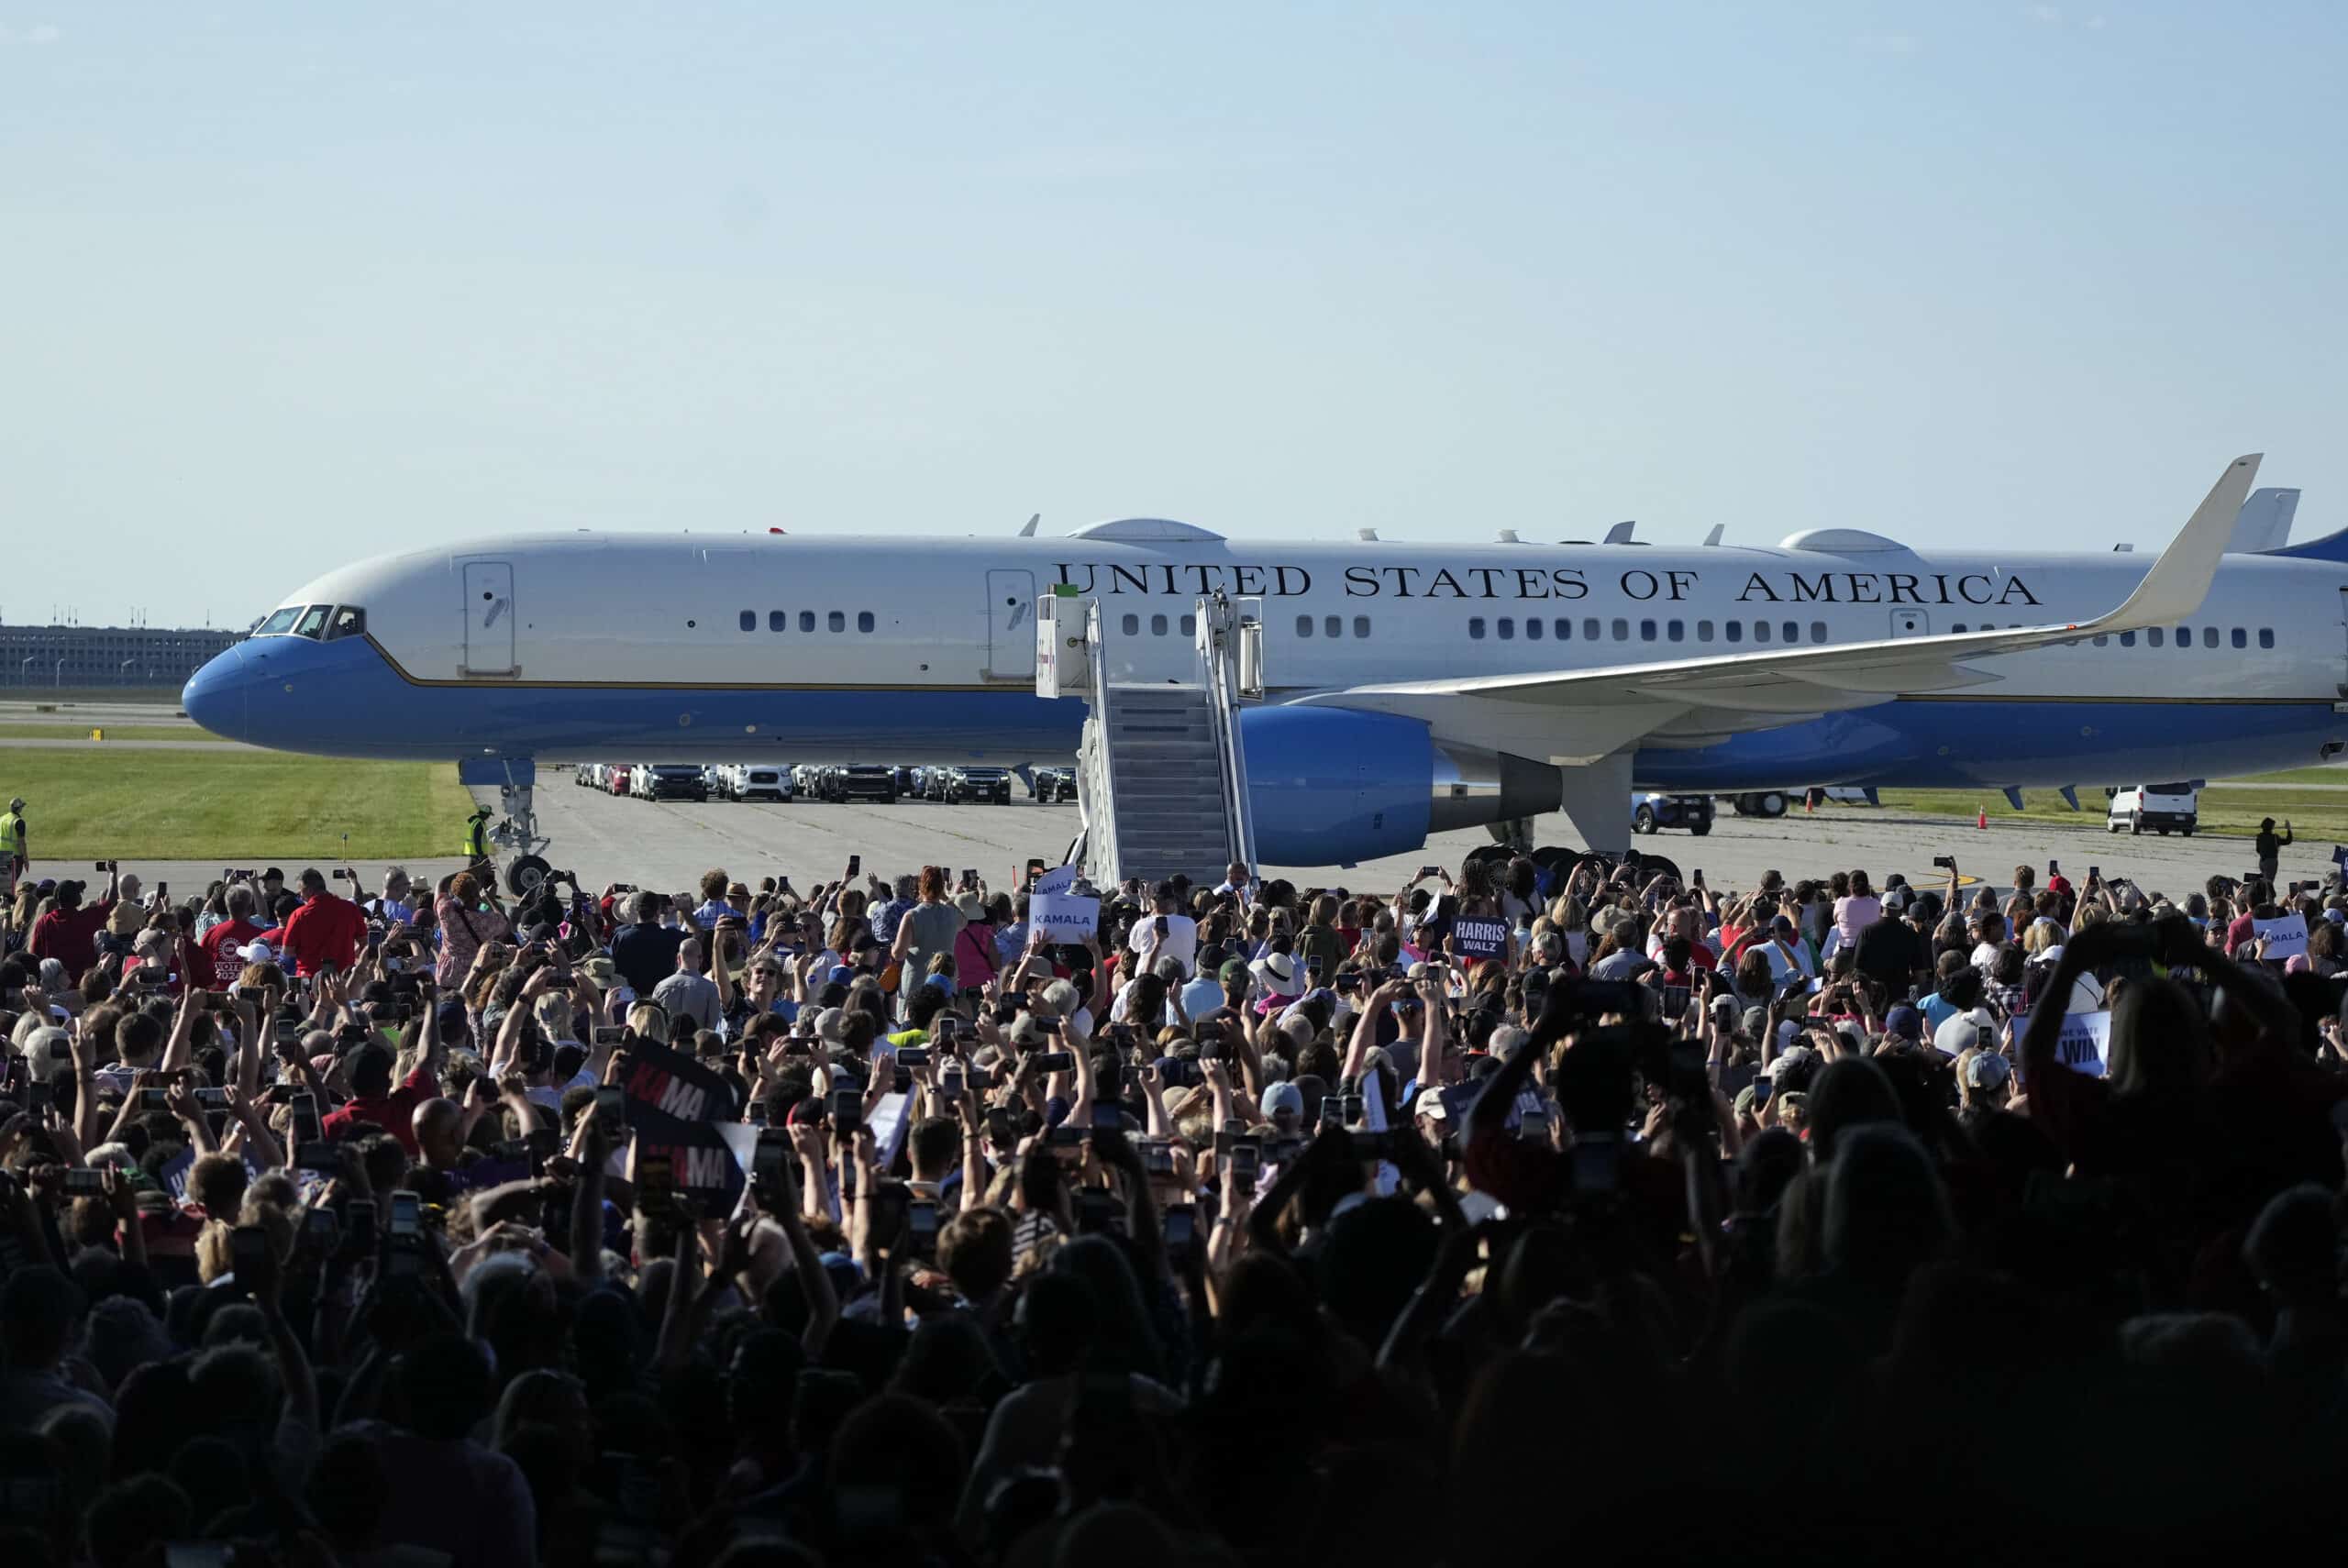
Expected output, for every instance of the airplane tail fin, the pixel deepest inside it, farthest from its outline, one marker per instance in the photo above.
(2263, 523)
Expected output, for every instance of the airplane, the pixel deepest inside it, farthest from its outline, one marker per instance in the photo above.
(1409, 688)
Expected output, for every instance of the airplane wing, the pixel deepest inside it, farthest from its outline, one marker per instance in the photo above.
(1619, 702)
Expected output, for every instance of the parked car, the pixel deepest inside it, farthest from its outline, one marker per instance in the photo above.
(615, 779)
(861, 781)
(2163, 808)
(807, 781)
(758, 782)
(671, 781)
(1055, 784)
(990, 785)
(1653, 813)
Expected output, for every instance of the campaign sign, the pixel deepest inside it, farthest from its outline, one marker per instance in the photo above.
(1066, 917)
(1473, 937)
(2085, 1045)
(676, 1107)
(1058, 880)
(2285, 938)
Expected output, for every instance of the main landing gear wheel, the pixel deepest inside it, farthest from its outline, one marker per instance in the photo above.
(524, 874)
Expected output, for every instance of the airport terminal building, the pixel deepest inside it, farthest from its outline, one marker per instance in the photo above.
(61, 657)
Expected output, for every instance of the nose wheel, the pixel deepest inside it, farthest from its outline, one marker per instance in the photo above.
(519, 832)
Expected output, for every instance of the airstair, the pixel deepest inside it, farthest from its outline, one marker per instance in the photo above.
(1161, 776)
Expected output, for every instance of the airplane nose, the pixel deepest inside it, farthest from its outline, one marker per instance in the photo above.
(215, 695)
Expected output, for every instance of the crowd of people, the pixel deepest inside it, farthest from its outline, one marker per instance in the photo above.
(1563, 1208)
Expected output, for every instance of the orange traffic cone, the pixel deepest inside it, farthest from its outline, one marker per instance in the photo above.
(1981, 818)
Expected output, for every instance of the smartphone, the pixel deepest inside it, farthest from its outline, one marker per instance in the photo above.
(1944, 862)
(150, 1099)
(847, 1110)
(1696, 879)
(970, 877)
(1427, 871)
(2094, 873)
(854, 864)
(80, 1181)
(1157, 1157)
(610, 1105)
(1055, 1061)
(306, 1117)
(953, 1081)
(1246, 1159)
(1159, 925)
(249, 1256)
(321, 1230)
(407, 1216)
(210, 1098)
(2053, 867)
(1313, 969)
(912, 1056)
(771, 1158)
(921, 1225)
(610, 1033)
(279, 1093)
(359, 1225)
(1180, 1225)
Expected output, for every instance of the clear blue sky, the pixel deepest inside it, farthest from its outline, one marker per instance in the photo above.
(285, 285)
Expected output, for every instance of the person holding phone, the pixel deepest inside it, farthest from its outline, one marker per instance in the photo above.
(1167, 933)
(926, 931)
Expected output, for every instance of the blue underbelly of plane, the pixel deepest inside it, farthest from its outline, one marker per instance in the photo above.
(343, 698)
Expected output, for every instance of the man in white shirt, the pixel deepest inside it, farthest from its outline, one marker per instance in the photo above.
(1168, 934)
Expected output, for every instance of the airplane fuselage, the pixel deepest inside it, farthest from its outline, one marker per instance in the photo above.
(801, 647)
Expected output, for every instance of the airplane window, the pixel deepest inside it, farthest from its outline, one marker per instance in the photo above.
(864, 620)
(1646, 631)
(1564, 630)
(806, 620)
(1532, 628)
(1157, 625)
(1333, 627)
(1760, 631)
(1508, 628)
(1132, 625)
(2127, 639)
(2241, 640)
(1703, 631)
(281, 621)
(1476, 627)
(349, 621)
(1190, 626)
(2185, 637)
(836, 620)
(313, 621)
(1589, 629)
(2208, 637)
(2102, 641)
(1676, 630)
(749, 620)
(778, 620)
(1793, 631)
(1735, 630)
(1818, 631)
(1304, 625)
(1621, 630)
(2265, 636)
(2153, 636)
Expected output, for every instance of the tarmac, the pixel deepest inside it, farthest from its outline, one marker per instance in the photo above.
(610, 839)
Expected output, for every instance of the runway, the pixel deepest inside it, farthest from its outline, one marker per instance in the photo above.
(608, 839)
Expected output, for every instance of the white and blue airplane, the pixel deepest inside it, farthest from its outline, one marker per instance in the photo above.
(1411, 687)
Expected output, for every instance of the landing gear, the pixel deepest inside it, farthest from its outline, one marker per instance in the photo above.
(519, 832)
(1514, 834)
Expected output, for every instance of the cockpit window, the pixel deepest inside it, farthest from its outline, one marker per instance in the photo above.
(349, 621)
(280, 623)
(313, 621)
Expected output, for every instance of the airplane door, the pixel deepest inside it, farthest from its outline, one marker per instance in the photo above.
(1011, 625)
(489, 618)
(1910, 623)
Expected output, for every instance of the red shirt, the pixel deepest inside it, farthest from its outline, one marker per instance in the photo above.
(71, 936)
(325, 934)
(394, 1112)
(220, 944)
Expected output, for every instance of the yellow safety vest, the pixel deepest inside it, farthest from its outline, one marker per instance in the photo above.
(11, 826)
(477, 839)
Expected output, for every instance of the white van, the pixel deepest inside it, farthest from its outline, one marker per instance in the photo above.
(758, 781)
(2163, 808)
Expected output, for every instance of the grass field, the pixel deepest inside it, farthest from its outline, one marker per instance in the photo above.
(2314, 814)
(113, 732)
(162, 805)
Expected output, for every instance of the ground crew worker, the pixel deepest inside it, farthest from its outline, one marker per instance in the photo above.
(14, 860)
(477, 844)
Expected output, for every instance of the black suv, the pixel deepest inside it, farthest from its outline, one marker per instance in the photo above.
(863, 781)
